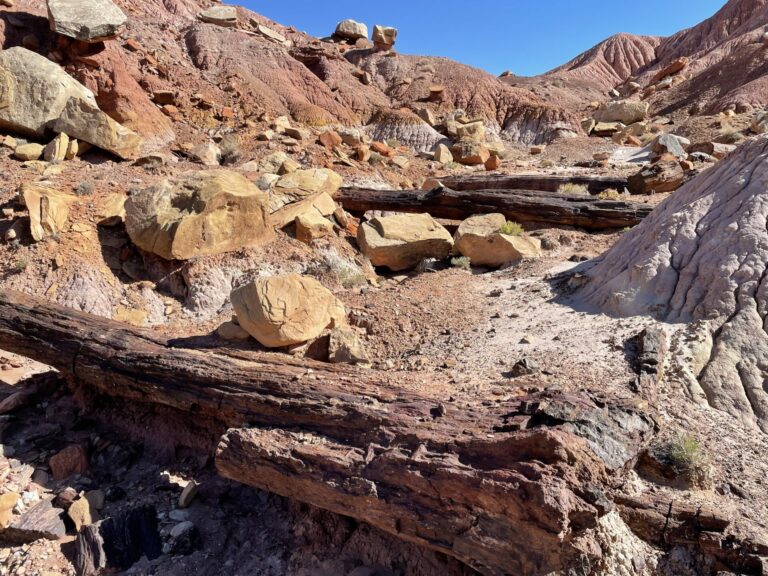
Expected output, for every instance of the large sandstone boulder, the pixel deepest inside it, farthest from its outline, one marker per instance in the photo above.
(86, 20)
(198, 213)
(384, 37)
(351, 30)
(624, 111)
(702, 257)
(286, 310)
(37, 95)
(479, 239)
(400, 242)
(48, 209)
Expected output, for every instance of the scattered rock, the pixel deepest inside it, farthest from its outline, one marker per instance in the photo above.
(714, 149)
(669, 144)
(442, 154)
(71, 460)
(27, 152)
(311, 226)
(479, 239)
(188, 494)
(346, 347)
(48, 209)
(281, 311)
(86, 20)
(493, 163)
(474, 131)
(184, 539)
(56, 150)
(401, 242)
(303, 183)
(208, 154)
(82, 514)
(232, 331)
(330, 139)
(670, 69)
(197, 213)
(524, 367)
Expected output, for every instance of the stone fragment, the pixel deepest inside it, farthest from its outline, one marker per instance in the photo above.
(56, 150)
(663, 176)
(28, 152)
(48, 209)
(442, 154)
(311, 226)
(42, 521)
(346, 347)
(231, 331)
(67, 462)
(470, 153)
(282, 311)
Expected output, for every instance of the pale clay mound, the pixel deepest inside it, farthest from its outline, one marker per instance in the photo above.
(702, 255)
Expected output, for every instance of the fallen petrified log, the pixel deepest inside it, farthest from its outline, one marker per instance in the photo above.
(546, 208)
(512, 487)
(540, 182)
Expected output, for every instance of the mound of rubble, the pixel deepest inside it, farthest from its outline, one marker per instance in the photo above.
(701, 257)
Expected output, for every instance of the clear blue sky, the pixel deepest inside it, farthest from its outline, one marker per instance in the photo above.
(525, 36)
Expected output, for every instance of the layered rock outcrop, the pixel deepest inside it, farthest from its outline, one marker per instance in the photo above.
(701, 256)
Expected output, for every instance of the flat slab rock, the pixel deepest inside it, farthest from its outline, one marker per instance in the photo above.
(86, 20)
(40, 521)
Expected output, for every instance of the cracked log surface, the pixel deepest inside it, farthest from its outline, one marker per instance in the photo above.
(527, 206)
(539, 182)
(702, 255)
(514, 487)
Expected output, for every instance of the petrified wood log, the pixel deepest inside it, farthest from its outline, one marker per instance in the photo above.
(547, 208)
(512, 487)
(540, 182)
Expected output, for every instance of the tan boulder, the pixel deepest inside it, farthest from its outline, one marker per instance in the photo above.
(351, 30)
(112, 210)
(37, 95)
(27, 152)
(384, 37)
(198, 213)
(7, 504)
(285, 310)
(82, 513)
(232, 331)
(302, 183)
(56, 150)
(470, 153)
(48, 208)
(624, 111)
(607, 128)
(311, 226)
(474, 131)
(85, 122)
(207, 153)
(479, 239)
(443, 154)
(400, 242)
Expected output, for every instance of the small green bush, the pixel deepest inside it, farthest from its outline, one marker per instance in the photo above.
(461, 262)
(511, 229)
(685, 455)
(20, 265)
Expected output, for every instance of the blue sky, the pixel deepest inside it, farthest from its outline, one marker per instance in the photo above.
(525, 36)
